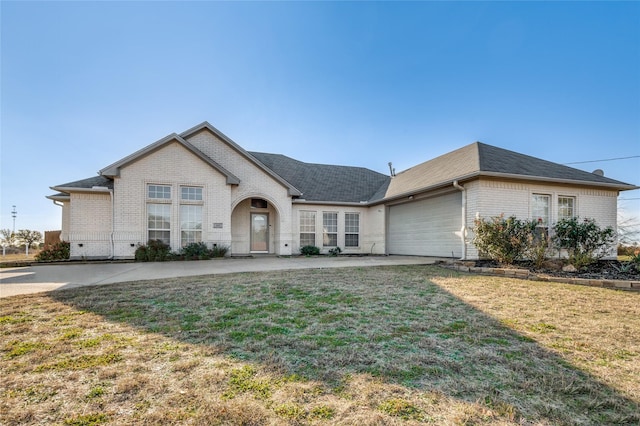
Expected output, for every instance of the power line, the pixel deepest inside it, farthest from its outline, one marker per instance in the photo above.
(607, 159)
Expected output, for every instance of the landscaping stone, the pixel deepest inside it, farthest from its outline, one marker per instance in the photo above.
(606, 276)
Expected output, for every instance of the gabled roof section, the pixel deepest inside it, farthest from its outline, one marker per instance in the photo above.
(84, 185)
(440, 171)
(60, 196)
(293, 190)
(113, 170)
(327, 183)
(502, 161)
(480, 159)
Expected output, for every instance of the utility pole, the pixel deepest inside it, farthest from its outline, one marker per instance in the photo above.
(14, 213)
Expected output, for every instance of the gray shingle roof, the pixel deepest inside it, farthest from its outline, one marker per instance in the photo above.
(330, 183)
(478, 159)
(499, 160)
(88, 183)
(323, 182)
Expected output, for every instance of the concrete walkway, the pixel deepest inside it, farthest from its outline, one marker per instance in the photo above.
(35, 279)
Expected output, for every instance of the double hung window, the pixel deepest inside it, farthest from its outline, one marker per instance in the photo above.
(330, 229)
(352, 229)
(566, 207)
(159, 213)
(307, 228)
(540, 209)
(190, 215)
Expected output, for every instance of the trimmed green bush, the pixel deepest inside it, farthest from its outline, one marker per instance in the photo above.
(219, 251)
(157, 251)
(335, 251)
(195, 251)
(153, 251)
(200, 251)
(310, 251)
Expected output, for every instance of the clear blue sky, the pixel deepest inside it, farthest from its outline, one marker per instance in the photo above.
(353, 83)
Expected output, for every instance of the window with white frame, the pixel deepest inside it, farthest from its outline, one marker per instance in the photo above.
(330, 229)
(307, 228)
(190, 224)
(190, 193)
(190, 215)
(159, 213)
(159, 222)
(352, 229)
(540, 204)
(159, 192)
(566, 207)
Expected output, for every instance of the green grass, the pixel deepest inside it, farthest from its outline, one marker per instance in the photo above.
(388, 345)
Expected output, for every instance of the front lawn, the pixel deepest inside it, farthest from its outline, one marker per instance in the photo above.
(382, 345)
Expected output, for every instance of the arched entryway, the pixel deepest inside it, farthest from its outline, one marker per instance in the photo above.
(254, 227)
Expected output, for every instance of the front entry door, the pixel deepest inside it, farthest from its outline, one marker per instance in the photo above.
(260, 232)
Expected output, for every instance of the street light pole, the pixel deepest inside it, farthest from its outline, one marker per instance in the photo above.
(14, 213)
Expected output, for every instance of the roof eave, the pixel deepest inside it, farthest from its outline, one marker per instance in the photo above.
(59, 197)
(619, 187)
(462, 179)
(94, 189)
(417, 191)
(332, 203)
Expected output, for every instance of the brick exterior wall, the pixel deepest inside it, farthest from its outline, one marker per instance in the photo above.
(226, 208)
(254, 183)
(371, 227)
(94, 230)
(489, 197)
(175, 166)
(90, 232)
(66, 221)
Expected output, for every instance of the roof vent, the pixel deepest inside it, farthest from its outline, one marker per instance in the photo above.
(598, 172)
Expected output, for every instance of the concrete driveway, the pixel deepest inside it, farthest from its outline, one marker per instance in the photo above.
(35, 279)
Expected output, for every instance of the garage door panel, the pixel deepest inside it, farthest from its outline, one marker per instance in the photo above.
(426, 227)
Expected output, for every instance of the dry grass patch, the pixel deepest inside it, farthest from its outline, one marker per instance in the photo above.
(388, 345)
(18, 257)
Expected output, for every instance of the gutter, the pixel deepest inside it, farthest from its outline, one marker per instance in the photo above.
(93, 189)
(620, 186)
(463, 229)
(583, 183)
(332, 203)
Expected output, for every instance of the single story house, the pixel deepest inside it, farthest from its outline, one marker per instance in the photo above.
(200, 185)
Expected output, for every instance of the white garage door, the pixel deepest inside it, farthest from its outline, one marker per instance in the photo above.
(426, 227)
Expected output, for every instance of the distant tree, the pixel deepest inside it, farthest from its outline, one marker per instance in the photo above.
(628, 230)
(7, 237)
(28, 237)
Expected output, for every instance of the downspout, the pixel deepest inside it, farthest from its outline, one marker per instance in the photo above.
(113, 225)
(463, 230)
(61, 205)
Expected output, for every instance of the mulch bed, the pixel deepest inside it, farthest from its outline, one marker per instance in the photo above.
(602, 270)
